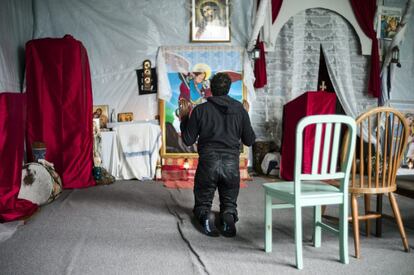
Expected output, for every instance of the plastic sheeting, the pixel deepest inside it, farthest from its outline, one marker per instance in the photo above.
(16, 27)
(119, 35)
(403, 82)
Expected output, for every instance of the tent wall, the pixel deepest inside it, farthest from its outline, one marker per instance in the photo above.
(120, 34)
(404, 78)
(16, 27)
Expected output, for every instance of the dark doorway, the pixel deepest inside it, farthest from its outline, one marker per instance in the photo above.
(324, 81)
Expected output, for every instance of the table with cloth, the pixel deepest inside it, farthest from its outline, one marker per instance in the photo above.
(309, 103)
(131, 150)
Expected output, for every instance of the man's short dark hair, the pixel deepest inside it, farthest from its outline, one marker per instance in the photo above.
(220, 84)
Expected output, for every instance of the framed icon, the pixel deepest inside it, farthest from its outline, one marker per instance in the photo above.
(210, 21)
(124, 117)
(102, 113)
(388, 22)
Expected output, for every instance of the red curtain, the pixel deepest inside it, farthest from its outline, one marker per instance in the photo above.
(12, 122)
(365, 13)
(309, 103)
(276, 5)
(260, 72)
(59, 107)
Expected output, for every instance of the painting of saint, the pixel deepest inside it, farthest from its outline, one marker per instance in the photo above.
(388, 21)
(189, 74)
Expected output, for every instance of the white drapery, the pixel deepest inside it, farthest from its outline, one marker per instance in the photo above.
(261, 19)
(137, 150)
(120, 34)
(338, 63)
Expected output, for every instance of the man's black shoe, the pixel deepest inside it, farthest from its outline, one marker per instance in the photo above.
(228, 226)
(209, 228)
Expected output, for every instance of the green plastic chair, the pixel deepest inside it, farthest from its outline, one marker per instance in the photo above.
(312, 189)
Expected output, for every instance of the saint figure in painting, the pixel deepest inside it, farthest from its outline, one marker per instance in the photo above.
(195, 86)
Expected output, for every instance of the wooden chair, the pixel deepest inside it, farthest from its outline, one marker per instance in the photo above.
(383, 135)
(309, 189)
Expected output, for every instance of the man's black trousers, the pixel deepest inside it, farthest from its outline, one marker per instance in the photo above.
(217, 170)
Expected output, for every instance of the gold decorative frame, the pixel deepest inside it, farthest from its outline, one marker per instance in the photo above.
(184, 66)
(124, 117)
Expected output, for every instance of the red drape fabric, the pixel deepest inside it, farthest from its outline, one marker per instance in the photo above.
(12, 123)
(59, 107)
(309, 103)
(260, 72)
(276, 5)
(365, 13)
(174, 175)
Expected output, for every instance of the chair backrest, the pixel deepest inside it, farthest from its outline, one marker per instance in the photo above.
(326, 148)
(383, 133)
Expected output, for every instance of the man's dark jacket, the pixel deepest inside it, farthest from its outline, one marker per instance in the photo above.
(220, 123)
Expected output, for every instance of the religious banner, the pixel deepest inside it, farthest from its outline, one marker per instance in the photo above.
(189, 71)
(388, 20)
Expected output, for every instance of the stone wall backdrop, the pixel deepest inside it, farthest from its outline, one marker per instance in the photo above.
(293, 66)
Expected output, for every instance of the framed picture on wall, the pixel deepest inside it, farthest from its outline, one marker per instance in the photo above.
(189, 71)
(210, 21)
(407, 109)
(388, 20)
(102, 113)
(125, 117)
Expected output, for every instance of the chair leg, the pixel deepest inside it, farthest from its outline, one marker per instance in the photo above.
(298, 236)
(317, 217)
(268, 223)
(355, 225)
(343, 232)
(397, 216)
(367, 202)
(378, 222)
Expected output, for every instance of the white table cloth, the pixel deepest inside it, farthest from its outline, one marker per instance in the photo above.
(131, 150)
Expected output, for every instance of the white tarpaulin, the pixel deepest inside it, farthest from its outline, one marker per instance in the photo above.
(16, 28)
(120, 35)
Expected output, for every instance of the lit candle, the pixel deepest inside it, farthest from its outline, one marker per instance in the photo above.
(186, 165)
